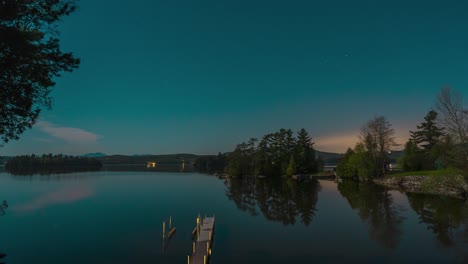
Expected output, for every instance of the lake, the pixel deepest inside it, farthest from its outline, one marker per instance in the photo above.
(116, 217)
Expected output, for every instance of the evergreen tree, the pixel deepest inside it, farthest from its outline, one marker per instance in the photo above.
(30, 61)
(424, 147)
(428, 134)
(305, 153)
(413, 160)
(291, 170)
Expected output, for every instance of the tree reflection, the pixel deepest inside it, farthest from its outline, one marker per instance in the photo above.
(446, 217)
(3, 207)
(278, 200)
(375, 207)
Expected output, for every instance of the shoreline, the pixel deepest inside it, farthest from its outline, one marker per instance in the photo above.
(449, 185)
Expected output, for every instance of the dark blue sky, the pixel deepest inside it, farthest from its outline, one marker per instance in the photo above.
(201, 76)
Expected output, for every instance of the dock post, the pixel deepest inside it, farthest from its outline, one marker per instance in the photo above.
(198, 226)
(193, 247)
(164, 229)
(207, 246)
(188, 259)
(204, 259)
(170, 222)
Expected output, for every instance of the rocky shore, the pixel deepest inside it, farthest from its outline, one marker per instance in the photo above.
(453, 186)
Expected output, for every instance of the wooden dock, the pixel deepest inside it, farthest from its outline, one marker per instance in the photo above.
(201, 248)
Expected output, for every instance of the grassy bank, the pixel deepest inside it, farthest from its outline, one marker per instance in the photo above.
(429, 173)
(450, 182)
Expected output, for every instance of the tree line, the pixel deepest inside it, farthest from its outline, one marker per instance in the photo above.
(276, 154)
(46, 164)
(440, 141)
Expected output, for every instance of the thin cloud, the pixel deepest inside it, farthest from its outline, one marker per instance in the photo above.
(68, 134)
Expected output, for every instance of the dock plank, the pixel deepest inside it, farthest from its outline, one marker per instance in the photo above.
(203, 243)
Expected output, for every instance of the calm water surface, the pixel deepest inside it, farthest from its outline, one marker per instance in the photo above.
(116, 217)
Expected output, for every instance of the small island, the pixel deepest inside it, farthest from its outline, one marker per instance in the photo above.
(50, 164)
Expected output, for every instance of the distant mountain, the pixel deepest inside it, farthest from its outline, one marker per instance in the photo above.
(329, 157)
(95, 155)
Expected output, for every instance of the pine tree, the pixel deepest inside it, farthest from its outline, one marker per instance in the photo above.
(305, 152)
(428, 134)
(291, 170)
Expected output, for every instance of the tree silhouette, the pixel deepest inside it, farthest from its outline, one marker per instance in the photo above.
(48, 164)
(30, 57)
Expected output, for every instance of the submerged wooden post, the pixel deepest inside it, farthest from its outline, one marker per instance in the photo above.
(171, 232)
(164, 229)
(170, 222)
(198, 226)
(193, 247)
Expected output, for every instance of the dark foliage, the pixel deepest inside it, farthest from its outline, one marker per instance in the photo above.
(274, 154)
(211, 163)
(424, 149)
(30, 57)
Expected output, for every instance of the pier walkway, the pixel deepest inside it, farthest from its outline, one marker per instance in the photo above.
(201, 248)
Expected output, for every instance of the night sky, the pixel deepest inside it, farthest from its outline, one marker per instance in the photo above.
(201, 76)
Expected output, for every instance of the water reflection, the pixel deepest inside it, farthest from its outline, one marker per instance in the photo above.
(55, 177)
(62, 196)
(48, 171)
(59, 173)
(446, 217)
(375, 207)
(2, 256)
(144, 168)
(278, 200)
(3, 207)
